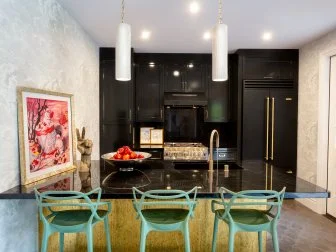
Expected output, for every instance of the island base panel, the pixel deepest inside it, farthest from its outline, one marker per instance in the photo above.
(125, 233)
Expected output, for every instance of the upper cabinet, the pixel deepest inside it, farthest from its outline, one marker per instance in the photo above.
(266, 68)
(218, 109)
(149, 93)
(189, 78)
(269, 64)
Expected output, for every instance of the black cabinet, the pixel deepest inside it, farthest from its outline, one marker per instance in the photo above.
(116, 109)
(149, 93)
(268, 68)
(184, 78)
(270, 125)
(218, 109)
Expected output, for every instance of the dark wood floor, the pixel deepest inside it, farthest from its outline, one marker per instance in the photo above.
(302, 230)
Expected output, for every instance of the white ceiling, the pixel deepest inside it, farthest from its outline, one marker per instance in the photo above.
(174, 30)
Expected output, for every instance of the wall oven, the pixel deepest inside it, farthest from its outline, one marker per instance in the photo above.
(183, 124)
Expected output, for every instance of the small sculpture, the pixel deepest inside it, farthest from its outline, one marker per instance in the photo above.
(85, 178)
(84, 146)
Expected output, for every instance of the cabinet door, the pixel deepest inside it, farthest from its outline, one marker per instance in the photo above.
(149, 93)
(115, 135)
(116, 96)
(263, 68)
(218, 101)
(194, 78)
(283, 131)
(116, 113)
(173, 78)
(254, 123)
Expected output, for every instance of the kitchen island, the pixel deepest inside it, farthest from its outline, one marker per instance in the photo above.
(160, 174)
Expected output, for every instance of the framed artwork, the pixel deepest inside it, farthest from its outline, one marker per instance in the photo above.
(46, 133)
(156, 136)
(145, 135)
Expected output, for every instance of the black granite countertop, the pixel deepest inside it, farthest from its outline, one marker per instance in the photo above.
(159, 174)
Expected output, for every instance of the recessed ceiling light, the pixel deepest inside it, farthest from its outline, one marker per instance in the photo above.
(207, 35)
(176, 73)
(267, 36)
(194, 7)
(145, 34)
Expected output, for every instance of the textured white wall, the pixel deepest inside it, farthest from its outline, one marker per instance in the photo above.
(309, 104)
(42, 46)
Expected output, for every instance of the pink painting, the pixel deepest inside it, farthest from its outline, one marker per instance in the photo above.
(45, 133)
(48, 133)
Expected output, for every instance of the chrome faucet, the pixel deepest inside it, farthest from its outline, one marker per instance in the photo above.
(213, 132)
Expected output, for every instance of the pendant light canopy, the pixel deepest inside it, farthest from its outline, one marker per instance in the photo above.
(123, 49)
(219, 49)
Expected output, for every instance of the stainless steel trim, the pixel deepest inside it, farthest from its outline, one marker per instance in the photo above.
(184, 95)
(267, 126)
(272, 138)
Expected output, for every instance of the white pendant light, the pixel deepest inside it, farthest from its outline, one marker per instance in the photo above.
(219, 49)
(123, 49)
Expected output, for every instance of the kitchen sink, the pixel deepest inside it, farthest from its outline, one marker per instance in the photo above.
(204, 165)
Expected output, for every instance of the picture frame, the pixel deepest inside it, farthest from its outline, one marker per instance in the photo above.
(145, 135)
(46, 133)
(156, 136)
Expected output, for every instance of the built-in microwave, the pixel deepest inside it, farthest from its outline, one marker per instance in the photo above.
(183, 123)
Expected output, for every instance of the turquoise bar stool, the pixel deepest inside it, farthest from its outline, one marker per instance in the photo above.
(74, 217)
(174, 215)
(248, 220)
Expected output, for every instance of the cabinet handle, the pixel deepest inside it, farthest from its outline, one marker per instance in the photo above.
(206, 114)
(130, 114)
(268, 77)
(267, 126)
(272, 139)
(133, 138)
(130, 129)
(161, 113)
(138, 108)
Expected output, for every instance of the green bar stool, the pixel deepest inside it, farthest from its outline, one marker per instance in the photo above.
(74, 218)
(248, 220)
(174, 215)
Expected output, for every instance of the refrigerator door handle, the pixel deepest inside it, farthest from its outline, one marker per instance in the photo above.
(267, 126)
(272, 134)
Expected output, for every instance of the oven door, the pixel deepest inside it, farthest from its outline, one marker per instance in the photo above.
(183, 124)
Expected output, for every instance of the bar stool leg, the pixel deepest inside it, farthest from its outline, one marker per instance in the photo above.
(107, 233)
(231, 239)
(89, 239)
(186, 237)
(61, 242)
(260, 241)
(44, 245)
(214, 235)
(275, 239)
(143, 236)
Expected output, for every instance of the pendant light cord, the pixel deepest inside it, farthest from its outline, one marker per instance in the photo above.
(122, 10)
(220, 19)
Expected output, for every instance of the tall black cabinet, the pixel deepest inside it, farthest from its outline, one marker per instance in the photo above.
(116, 106)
